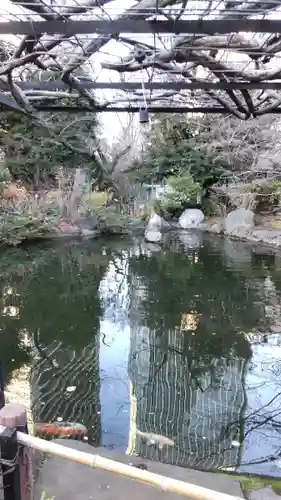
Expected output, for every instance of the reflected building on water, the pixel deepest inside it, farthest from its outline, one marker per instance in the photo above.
(202, 420)
(183, 411)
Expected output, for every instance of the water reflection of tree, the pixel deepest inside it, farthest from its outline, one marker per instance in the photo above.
(197, 311)
(16, 266)
(218, 297)
(57, 297)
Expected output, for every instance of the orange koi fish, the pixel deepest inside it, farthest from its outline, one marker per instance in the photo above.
(60, 429)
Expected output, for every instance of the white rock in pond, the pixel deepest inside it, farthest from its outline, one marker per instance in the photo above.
(239, 222)
(190, 218)
(155, 223)
(153, 236)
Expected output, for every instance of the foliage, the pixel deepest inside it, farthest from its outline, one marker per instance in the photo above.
(174, 147)
(181, 189)
(214, 151)
(26, 221)
(32, 155)
(212, 206)
(110, 220)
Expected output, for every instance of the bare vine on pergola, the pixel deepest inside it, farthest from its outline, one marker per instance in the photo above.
(224, 58)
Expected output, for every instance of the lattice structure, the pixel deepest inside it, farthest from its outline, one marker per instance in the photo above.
(214, 56)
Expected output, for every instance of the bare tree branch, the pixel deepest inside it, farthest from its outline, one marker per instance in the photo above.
(198, 58)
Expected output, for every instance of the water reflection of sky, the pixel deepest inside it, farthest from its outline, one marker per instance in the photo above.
(263, 414)
(114, 353)
(115, 390)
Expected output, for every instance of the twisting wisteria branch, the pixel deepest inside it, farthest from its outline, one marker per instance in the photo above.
(224, 58)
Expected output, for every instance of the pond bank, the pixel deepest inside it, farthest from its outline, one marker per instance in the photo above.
(265, 233)
(62, 479)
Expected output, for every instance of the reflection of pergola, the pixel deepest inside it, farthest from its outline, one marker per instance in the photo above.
(188, 55)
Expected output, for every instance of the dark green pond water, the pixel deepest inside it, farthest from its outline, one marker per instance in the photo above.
(172, 354)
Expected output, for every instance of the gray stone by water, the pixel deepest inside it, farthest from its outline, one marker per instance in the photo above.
(239, 222)
(65, 480)
(153, 229)
(155, 223)
(191, 218)
(153, 236)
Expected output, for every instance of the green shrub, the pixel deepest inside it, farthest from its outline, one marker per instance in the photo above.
(111, 221)
(212, 206)
(181, 189)
(26, 222)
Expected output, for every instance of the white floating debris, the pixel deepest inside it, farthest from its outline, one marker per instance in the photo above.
(59, 419)
(71, 388)
(235, 443)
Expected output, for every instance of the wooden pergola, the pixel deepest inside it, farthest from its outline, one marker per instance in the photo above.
(185, 56)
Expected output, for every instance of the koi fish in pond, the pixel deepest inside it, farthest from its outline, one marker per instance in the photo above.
(60, 429)
(152, 438)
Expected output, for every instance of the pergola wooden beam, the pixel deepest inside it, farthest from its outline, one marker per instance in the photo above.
(207, 27)
(131, 86)
(135, 109)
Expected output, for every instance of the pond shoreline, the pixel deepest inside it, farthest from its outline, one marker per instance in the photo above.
(259, 236)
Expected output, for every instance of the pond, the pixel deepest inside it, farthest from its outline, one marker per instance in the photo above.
(173, 354)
